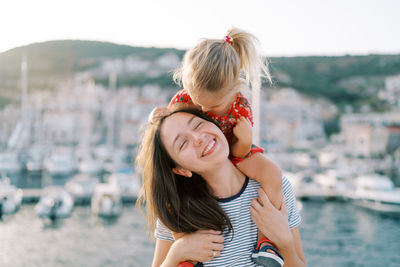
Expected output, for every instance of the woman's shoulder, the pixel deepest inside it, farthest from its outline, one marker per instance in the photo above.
(287, 188)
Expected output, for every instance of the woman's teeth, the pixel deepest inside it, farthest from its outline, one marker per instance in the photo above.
(209, 146)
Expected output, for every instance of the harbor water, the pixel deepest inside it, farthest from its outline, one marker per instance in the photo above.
(333, 234)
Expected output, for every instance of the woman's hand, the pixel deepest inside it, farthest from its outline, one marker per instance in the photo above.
(201, 246)
(273, 223)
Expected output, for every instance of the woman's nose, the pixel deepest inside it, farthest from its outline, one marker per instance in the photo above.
(197, 139)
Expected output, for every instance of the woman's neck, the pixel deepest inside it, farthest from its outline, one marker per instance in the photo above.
(225, 180)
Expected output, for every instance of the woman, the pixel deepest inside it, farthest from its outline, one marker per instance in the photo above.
(191, 187)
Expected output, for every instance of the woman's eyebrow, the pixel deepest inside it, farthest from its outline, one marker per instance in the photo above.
(191, 119)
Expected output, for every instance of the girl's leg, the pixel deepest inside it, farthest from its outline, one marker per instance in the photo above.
(266, 172)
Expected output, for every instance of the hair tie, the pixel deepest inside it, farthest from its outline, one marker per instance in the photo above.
(228, 39)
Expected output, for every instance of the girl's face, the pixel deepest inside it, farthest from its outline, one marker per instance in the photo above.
(194, 144)
(218, 104)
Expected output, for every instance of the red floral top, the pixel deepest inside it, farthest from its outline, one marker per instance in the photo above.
(240, 108)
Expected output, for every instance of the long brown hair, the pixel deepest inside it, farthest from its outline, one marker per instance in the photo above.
(182, 204)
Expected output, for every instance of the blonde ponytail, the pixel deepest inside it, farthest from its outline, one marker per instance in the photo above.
(214, 65)
(251, 61)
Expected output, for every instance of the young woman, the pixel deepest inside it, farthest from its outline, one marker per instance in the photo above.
(190, 186)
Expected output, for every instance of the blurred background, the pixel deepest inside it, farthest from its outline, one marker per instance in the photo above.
(79, 78)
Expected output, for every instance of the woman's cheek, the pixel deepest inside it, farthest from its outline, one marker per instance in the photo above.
(186, 157)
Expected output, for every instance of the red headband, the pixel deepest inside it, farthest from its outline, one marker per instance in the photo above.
(228, 39)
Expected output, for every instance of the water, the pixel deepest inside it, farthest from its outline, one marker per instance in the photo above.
(333, 234)
(80, 240)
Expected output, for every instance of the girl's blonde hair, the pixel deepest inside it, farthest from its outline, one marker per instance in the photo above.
(215, 64)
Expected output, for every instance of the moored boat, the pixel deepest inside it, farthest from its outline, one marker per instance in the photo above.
(10, 197)
(81, 187)
(128, 183)
(106, 201)
(375, 192)
(55, 202)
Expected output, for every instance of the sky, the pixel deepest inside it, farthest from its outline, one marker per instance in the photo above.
(284, 27)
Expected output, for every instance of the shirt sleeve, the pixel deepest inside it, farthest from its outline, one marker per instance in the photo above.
(243, 108)
(181, 97)
(294, 217)
(163, 232)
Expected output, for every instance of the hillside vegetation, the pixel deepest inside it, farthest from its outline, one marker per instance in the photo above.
(346, 80)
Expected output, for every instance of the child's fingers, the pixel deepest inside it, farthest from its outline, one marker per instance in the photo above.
(248, 120)
(157, 113)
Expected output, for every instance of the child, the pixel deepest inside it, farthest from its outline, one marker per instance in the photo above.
(211, 74)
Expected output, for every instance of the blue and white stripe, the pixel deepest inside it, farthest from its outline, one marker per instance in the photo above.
(238, 245)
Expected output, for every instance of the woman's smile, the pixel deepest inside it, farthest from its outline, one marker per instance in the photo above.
(210, 147)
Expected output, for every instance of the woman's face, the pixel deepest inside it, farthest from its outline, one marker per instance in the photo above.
(194, 144)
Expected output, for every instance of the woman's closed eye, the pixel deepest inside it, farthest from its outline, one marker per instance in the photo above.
(182, 144)
(198, 124)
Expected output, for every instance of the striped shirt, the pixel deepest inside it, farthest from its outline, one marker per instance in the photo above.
(239, 243)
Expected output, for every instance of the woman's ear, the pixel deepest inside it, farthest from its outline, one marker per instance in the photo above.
(181, 171)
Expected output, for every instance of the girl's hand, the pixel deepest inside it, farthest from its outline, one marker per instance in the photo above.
(273, 223)
(242, 130)
(243, 133)
(157, 113)
(200, 246)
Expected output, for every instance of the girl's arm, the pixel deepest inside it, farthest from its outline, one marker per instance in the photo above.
(243, 138)
(274, 224)
(198, 246)
(257, 166)
(266, 172)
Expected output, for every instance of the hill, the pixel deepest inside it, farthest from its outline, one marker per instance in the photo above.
(346, 80)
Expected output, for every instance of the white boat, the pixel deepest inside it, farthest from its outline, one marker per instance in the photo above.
(321, 186)
(128, 183)
(10, 197)
(9, 163)
(60, 162)
(90, 165)
(118, 160)
(106, 201)
(35, 159)
(81, 187)
(55, 202)
(87, 161)
(375, 192)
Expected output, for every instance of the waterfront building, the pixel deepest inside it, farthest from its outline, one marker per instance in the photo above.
(366, 134)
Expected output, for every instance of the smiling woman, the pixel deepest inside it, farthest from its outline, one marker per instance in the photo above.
(190, 186)
(196, 143)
